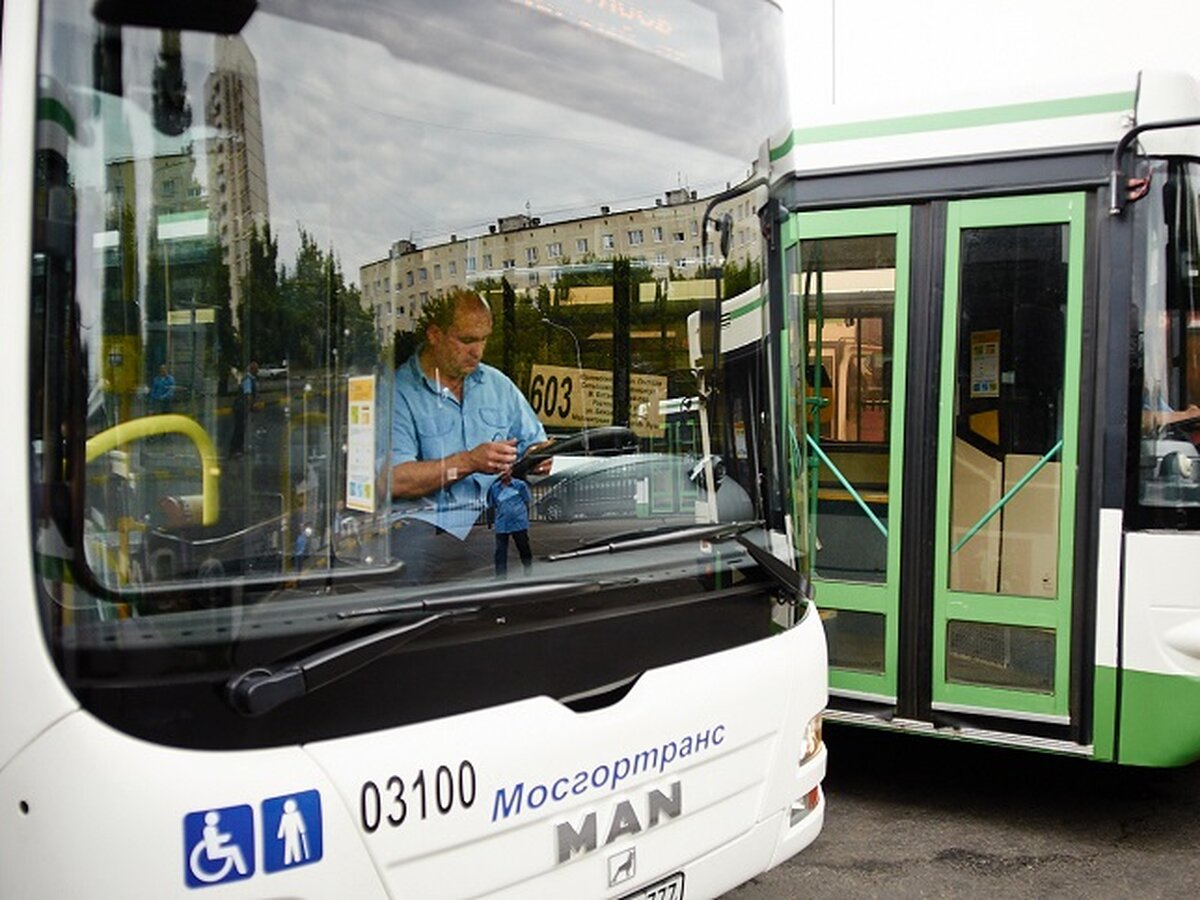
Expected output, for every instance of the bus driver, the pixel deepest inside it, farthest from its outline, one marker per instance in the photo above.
(457, 423)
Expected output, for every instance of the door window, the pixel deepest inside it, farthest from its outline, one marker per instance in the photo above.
(1008, 394)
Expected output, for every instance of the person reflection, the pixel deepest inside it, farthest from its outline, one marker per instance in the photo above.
(457, 423)
(510, 499)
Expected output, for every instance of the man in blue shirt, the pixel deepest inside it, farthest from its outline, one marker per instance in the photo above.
(510, 499)
(457, 423)
(162, 391)
(243, 405)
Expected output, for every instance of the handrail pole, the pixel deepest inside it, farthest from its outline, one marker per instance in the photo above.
(171, 423)
(847, 485)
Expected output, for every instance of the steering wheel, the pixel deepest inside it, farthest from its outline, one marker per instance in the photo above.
(1185, 425)
(608, 440)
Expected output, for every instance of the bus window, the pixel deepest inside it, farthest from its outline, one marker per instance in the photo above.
(849, 291)
(1169, 471)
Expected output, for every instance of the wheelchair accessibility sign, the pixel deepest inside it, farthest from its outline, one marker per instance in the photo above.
(219, 844)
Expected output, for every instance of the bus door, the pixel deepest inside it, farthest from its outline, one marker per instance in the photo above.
(848, 301)
(1007, 449)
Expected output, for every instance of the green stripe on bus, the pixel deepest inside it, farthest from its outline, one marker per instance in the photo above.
(747, 307)
(51, 110)
(964, 118)
(1104, 714)
(1159, 724)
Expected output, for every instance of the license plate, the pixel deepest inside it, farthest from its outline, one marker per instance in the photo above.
(670, 888)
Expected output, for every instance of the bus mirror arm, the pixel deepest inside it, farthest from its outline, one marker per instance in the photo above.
(1119, 192)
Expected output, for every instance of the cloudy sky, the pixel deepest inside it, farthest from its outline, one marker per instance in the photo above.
(904, 56)
(366, 146)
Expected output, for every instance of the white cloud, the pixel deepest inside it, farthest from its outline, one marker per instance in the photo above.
(907, 56)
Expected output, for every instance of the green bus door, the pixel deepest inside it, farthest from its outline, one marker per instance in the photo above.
(849, 280)
(1007, 450)
(1007, 386)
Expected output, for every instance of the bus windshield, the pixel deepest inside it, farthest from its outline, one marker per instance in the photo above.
(350, 307)
(1169, 473)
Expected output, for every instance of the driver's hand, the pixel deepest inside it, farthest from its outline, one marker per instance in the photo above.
(493, 457)
(542, 468)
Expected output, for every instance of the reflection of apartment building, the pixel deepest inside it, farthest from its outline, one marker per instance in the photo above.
(237, 168)
(532, 254)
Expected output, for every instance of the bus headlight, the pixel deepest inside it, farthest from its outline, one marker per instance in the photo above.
(812, 739)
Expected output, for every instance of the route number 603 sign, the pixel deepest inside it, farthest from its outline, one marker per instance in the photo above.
(583, 398)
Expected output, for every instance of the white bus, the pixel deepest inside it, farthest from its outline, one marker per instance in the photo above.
(224, 668)
(995, 309)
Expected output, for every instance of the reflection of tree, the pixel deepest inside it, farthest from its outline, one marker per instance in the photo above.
(121, 309)
(172, 111)
(516, 348)
(259, 316)
(357, 340)
(303, 314)
(581, 303)
(740, 278)
(215, 291)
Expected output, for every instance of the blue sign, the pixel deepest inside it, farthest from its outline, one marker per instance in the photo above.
(291, 830)
(218, 845)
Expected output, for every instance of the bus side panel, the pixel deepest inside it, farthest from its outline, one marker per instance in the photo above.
(91, 812)
(1159, 725)
(1107, 629)
(1160, 680)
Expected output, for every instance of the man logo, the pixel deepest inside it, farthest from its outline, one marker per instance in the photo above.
(623, 820)
(622, 867)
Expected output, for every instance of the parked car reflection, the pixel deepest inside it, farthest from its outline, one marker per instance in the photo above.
(641, 485)
(617, 486)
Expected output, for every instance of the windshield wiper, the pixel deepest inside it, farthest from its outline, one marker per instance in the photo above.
(260, 690)
(473, 601)
(637, 541)
(793, 583)
(263, 688)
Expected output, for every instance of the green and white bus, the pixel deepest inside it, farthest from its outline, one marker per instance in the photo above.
(996, 311)
(226, 667)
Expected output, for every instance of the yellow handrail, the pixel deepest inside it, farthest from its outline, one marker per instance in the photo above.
(147, 426)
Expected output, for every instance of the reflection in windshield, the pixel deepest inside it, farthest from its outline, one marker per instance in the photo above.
(381, 313)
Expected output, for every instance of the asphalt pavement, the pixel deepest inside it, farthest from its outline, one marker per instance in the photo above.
(913, 816)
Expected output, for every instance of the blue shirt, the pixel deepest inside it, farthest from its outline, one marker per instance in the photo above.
(511, 502)
(162, 388)
(428, 422)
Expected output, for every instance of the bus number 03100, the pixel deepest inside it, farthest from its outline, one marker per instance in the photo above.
(393, 800)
